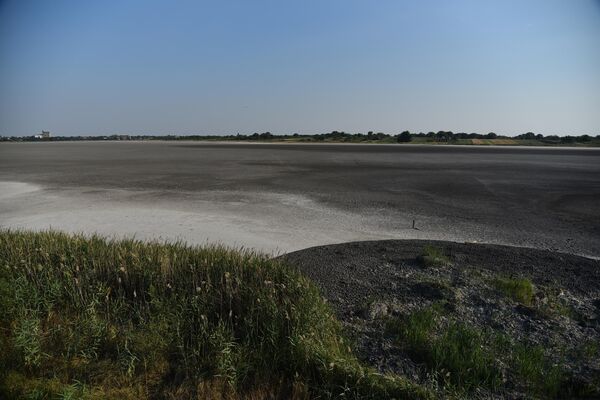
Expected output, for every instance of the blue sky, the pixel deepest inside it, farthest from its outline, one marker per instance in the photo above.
(196, 67)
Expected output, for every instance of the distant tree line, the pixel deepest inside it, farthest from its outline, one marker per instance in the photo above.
(556, 138)
(334, 136)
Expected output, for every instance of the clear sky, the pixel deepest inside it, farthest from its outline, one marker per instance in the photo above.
(228, 66)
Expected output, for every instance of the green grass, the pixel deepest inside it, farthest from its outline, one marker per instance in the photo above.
(455, 353)
(464, 358)
(546, 379)
(433, 257)
(90, 318)
(589, 349)
(519, 289)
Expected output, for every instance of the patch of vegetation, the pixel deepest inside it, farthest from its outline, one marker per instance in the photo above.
(437, 290)
(518, 289)
(456, 353)
(589, 349)
(433, 257)
(545, 378)
(93, 319)
(465, 358)
(553, 305)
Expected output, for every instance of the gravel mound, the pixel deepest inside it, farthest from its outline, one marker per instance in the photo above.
(537, 299)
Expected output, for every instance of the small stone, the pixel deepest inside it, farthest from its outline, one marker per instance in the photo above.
(377, 310)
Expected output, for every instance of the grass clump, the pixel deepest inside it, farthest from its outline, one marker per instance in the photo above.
(455, 352)
(433, 257)
(546, 379)
(518, 289)
(463, 358)
(90, 318)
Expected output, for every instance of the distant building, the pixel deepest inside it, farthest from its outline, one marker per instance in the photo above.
(44, 135)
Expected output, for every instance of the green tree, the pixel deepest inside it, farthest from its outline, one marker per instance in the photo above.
(404, 137)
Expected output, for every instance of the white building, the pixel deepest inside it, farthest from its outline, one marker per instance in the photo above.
(44, 135)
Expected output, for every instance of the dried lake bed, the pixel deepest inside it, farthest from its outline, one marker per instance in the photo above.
(284, 197)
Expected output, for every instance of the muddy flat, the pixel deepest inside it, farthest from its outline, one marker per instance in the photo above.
(284, 197)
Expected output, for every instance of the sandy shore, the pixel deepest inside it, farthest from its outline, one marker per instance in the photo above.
(273, 223)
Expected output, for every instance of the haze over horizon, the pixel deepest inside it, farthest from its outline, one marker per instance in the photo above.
(157, 67)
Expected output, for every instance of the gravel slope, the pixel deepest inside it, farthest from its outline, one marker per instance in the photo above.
(369, 283)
